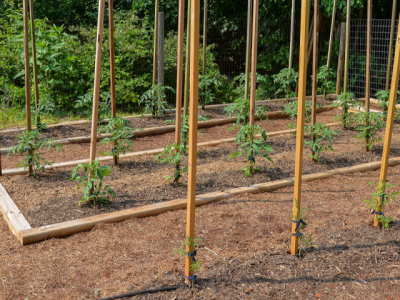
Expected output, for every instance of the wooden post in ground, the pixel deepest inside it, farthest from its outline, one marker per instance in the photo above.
(305, 15)
(27, 75)
(389, 123)
(292, 34)
(160, 49)
(328, 61)
(389, 64)
(339, 75)
(254, 63)
(194, 89)
(346, 61)
(205, 37)
(35, 68)
(187, 64)
(112, 65)
(248, 49)
(314, 69)
(179, 75)
(96, 91)
(157, 4)
(368, 69)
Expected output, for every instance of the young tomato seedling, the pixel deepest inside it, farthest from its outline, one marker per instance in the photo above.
(30, 141)
(322, 134)
(376, 123)
(92, 183)
(155, 100)
(252, 147)
(380, 199)
(346, 101)
(286, 80)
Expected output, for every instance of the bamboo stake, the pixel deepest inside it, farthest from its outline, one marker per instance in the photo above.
(305, 15)
(205, 37)
(328, 61)
(112, 66)
(368, 69)
(248, 50)
(346, 61)
(194, 84)
(35, 68)
(157, 4)
(96, 92)
(292, 34)
(315, 69)
(187, 64)
(389, 123)
(388, 69)
(179, 75)
(339, 76)
(27, 75)
(254, 63)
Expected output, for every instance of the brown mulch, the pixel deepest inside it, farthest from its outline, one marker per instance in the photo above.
(139, 181)
(243, 252)
(81, 151)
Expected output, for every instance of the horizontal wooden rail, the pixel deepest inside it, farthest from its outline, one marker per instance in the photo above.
(167, 129)
(70, 227)
(74, 163)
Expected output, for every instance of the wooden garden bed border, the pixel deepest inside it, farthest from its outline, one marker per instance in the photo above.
(31, 235)
(168, 128)
(10, 172)
(168, 111)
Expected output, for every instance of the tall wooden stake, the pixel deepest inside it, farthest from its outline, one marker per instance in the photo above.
(368, 69)
(194, 86)
(315, 69)
(389, 123)
(160, 49)
(179, 75)
(305, 15)
(187, 64)
(328, 61)
(205, 37)
(157, 4)
(346, 61)
(388, 69)
(292, 34)
(35, 68)
(339, 76)
(248, 49)
(97, 70)
(112, 66)
(254, 63)
(27, 75)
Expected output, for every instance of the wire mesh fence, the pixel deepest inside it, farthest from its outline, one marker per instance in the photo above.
(380, 40)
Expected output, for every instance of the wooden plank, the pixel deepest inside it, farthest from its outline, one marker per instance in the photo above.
(390, 56)
(389, 122)
(187, 64)
(368, 69)
(70, 227)
(292, 16)
(315, 68)
(13, 216)
(248, 49)
(27, 74)
(97, 71)
(346, 60)
(193, 116)
(339, 75)
(179, 75)
(10, 172)
(34, 60)
(157, 5)
(305, 15)
(112, 65)
(254, 63)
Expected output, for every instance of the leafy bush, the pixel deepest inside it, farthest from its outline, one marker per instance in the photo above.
(30, 141)
(92, 182)
(286, 80)
(251, 147)
(322, 134)
(155, 100)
